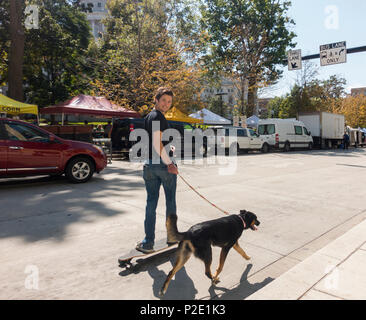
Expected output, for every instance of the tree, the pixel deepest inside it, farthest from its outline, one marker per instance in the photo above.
(54, 62)
(354, 110)
(308, 95)
(137, 55)
(16, 52)
(4, 42)
(248, 40)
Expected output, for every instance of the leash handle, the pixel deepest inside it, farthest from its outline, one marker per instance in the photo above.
(223, 211)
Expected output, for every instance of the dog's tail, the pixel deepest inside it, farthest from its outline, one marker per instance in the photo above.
(171, 227)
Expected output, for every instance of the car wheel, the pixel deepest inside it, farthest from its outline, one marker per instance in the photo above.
(265, 148)
(287, 147)
(79, 170)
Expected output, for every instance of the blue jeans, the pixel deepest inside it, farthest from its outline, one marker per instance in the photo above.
(156, 175)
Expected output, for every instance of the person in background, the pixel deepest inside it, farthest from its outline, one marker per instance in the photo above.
(108, 129)
(345, 141)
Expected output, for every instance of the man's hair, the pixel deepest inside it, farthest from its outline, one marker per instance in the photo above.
(163, 90)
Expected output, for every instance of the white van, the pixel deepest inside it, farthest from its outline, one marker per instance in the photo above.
(238, 139)
(285, 134)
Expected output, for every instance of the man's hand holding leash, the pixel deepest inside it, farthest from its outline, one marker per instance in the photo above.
(172, 168)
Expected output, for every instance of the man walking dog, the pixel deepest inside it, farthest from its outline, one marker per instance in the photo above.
(158, 170)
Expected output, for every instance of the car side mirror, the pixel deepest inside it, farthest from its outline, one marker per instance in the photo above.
(51, 139)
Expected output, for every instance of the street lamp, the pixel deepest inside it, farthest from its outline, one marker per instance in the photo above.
(221, 102)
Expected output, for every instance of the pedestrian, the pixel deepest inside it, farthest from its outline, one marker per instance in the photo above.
(107, 129)
(164, 172)
(345, 140)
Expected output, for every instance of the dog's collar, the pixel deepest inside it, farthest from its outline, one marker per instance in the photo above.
(243, 221)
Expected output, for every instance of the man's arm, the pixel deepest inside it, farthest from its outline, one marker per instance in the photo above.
(160, 150)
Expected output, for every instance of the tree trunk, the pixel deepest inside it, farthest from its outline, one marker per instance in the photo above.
(242, 96)
(252, 98)
(16, 55)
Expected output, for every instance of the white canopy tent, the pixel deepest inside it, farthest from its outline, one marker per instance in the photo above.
(252, 121)
(209, 117)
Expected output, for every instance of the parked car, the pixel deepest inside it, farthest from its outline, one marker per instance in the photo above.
(238, 139)
(285, 134)
(26, 150)
(122, 128)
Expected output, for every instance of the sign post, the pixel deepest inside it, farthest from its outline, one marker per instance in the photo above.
(333, 53)
(294, 60)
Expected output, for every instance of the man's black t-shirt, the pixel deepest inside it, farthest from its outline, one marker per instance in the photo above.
(160, 124)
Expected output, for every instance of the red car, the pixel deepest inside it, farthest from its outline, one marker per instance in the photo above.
(27, 150)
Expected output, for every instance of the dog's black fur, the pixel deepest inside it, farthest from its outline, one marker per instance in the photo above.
(223, 232)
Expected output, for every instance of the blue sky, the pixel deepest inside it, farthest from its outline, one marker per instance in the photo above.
(326, 21)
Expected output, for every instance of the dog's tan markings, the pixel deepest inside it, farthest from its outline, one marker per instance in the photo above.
(241, 251)
(223, 256)
(183, 254)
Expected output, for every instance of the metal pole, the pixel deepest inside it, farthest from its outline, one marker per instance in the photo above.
(316, 56)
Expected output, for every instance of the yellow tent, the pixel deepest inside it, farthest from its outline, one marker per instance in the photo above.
(13, 107)
(177, 115)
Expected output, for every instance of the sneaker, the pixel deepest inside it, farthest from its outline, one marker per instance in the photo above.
(145, 247)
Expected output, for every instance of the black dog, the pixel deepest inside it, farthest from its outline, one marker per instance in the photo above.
(223, 232)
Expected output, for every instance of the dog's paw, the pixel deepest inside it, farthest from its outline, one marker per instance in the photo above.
(215, 281)
(161, 293)
(247, 258)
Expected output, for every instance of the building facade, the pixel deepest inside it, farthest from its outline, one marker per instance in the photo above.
(100, 11)
(227, 90)
(358, 91)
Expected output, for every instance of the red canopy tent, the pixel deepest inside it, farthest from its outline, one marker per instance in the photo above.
(88, 105)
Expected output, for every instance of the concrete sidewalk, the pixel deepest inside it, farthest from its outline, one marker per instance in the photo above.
(336, 272)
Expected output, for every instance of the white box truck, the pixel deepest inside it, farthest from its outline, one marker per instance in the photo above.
(327, 129)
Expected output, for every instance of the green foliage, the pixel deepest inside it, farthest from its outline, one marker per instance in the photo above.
(4, 41)
(248, 38)
(142, 50)
(54, 53)
(216, 105)
(316, 95)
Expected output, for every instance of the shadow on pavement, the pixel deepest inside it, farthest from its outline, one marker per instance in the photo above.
(242, 291)
(180, 288)
(43, 207)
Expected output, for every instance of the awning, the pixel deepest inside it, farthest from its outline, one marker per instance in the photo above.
(89, 105)
(13, 107)
(176, 115)
(208, 117)
(253, 121)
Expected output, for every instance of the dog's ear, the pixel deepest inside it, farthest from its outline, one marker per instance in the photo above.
(243, 211)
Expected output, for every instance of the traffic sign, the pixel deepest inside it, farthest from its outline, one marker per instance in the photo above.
(294, 60)
(333, 53)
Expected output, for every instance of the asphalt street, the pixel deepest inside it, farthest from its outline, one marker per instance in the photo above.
(62, 241)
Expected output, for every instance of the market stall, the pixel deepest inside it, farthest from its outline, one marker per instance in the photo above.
(208, 117)
(175, 114)
(12, 107)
